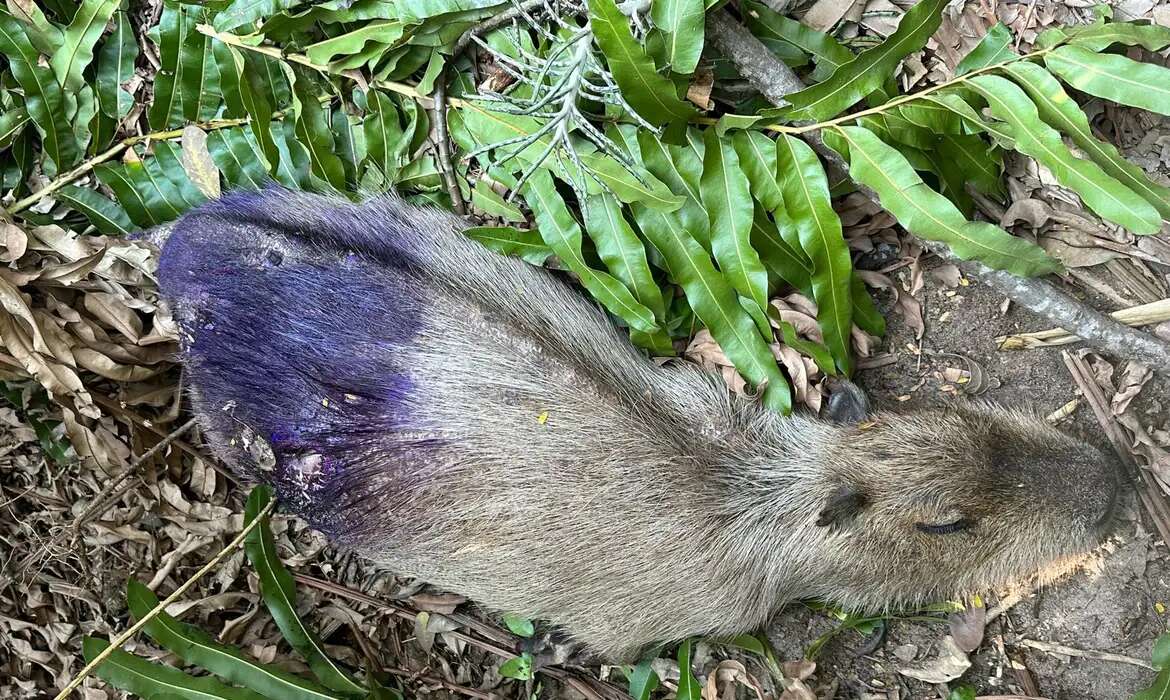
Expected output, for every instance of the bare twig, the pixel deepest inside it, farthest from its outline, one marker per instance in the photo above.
(1141, 315)
(117, 642)
(443, 145)
(774, 80)
(1052, 648)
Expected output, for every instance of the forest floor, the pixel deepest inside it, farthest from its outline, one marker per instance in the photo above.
(1087, 637)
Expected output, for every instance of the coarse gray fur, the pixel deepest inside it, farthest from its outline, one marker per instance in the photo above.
(546, 468)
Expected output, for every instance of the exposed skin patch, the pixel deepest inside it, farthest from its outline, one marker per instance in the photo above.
(469, 419)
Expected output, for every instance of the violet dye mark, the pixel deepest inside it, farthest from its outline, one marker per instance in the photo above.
(297, 335)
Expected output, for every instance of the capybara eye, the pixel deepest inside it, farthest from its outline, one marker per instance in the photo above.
(944, 528)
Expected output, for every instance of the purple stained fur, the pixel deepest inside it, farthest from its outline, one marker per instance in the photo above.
(289, 334)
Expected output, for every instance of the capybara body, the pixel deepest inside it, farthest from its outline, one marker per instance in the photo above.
(470, 419)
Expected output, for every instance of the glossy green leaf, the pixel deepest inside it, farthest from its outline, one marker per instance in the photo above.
(682, 23)
(928, 214)
(715, 303)
(865, 73)
(196, 647)
(154, 680)
(650, 94)
(519, 626)
(865, 312)
(241, 12)
(423, 9)
(385, 142)
(1098, 37)
(995, 47)
(757, 158)
(12, 123)
(167, 168)
(47, 105)
(622, 251)
(980, 162)
(237, 155)
(689, 687)
(506, 240)
(1160, 689)
(386, 32)
(1062, 112)
(115, 65)
(491, 202)
(78, 40)
(1113, 77)
(808, 209)
(258, 94)
(107, 216)
(1102, 193)
(517, 667)
(681, 169)
(174, 28)
(642, 678)
(313, 131)
(561, 232)
(728, 201)
(280, 596)
(828, 54)
(199, 76)
(42, 33)
(787, 264)
(144, 191)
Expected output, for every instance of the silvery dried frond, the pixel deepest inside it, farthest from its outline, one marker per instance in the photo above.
(551, 61)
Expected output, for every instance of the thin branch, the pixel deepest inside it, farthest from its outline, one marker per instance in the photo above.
(494, 22)
(117, 642)
(774, 80)
(443, 144)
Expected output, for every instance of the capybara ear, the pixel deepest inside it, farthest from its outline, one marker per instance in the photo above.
(843, 505)
(847, 403)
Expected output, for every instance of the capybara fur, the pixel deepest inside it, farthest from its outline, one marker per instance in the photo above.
(470, 419)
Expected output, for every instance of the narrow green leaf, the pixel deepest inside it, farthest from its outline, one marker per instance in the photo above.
(995, 47)
(242, 12)
(1102, 193)
(682, 23)
(622, 252)
(42, 33)
(715, 303)
(642, 678)
(385, 142)
(115, 65)
(167, 170)
(728, 200)
(199, 76)
(865, 73)
(828, 54)
(47, 105)
(78, 40)
(1113, 77)
(650, 94)
(757, 157)
(681, 169)
(1098, 37)
(688, 686)
(279, 592)
(196, 647)
(506, 240)
(807, 207)
(809, 348)
(789, 265)
(1061, 111)
(312, 130)
(865, 312)
(561, 232)
(154, 680)
(173, 29)
(485, 198)
(387, 32)
(928, 214)
(980, 162)
(1160, 689)
(12, 123)
(424, 9)
(258, 93)
(143, 190)
(107, 217)
(237, 155)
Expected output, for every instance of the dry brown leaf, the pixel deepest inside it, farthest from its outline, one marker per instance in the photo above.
(950, 663)
(14, 240)
(197, 162)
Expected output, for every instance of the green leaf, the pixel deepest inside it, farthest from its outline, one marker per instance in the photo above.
(642, 678)
(622, 251)
(865, 73)
(47, 105)
(1160, 690)
(518, 667)
(963, 692)
(259, 90)
(12, 123)
(1113, 77)
(757, 157)
(143, 191)
(980, 162)
(154, 680)
(115, 65)
(78, 40)
(313, 130)
(561, 232)
(1061, 111)
(828, 54)
(1098, 37)
(808, 209)
(682, 23)
(1102, 193)
(650, 94)
(385, 142)
(928, 214)
(174, 28)
(487, 199)
(167, 168)
(424, 9)
(728, 200)
(809, 348)
(715, 303)
(196, 647)
(280, 596)
(242, 12)
(681, 169)
(995, 47)
(527, 245)
(865, 313)
(387, 32)
(689, 687)
(201, 96)
(42, 33)
(237, 155)
(107, 217)
(789, 265)
(520, 626)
